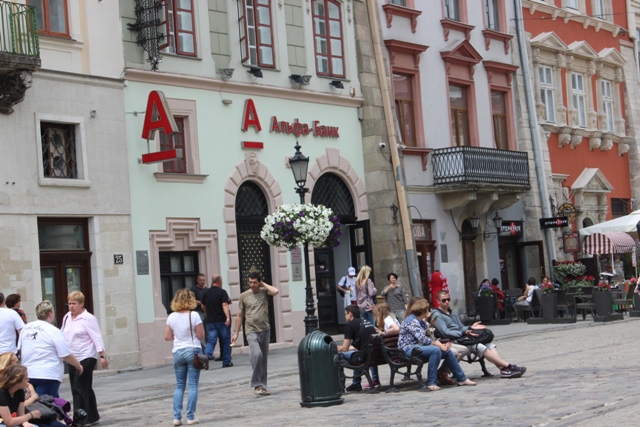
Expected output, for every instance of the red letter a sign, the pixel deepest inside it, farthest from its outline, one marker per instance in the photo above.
(158, 116)
(250, 117)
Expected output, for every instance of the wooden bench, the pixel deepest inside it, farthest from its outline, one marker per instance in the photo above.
(382, 350)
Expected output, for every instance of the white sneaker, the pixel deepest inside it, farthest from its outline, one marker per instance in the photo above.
(193, 422)
(177, 422)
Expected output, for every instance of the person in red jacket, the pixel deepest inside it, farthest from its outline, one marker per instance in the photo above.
(437, 283)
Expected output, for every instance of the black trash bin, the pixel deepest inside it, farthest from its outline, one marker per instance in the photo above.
(319, 377)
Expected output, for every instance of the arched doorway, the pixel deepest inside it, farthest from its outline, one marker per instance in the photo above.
(253, 252)
(469, 235)
(331, 263)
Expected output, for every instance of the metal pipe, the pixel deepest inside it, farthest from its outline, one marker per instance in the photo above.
(393, 148)
(533, 126)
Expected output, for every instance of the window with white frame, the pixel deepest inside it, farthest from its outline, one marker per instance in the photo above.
(179, 27)
(572, 4)
(493, 17)
(579, 98)
(256, 32)
(452, 9)
(327, 36)
(598, 9)
(607, 105)
(545, 75)
(398, 2)
(403, 94)
(61, 151)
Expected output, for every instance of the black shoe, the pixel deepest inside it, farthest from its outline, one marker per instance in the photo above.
(354, 387)
(80, 417)
(509, 373)
(210, 357)
(228, 366)
(218, 359)
(522, 369)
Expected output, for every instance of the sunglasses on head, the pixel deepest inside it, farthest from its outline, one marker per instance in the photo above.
(445, 300)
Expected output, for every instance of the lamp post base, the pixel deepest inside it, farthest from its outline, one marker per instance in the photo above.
(310, 324)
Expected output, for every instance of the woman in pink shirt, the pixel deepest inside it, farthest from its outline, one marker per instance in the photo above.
(82, 333)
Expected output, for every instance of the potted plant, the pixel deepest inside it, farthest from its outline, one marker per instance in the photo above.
(549, 301)
(294, 224)
(486, 305)
(602, 299)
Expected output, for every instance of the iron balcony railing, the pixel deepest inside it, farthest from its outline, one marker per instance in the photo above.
(18, 29)
(468, 165)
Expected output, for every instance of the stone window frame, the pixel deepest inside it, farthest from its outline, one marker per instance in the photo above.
(186, 109)
(548, 50)
(580, 118)
(500, 77)
(580, 6)
(81, 151)
(461, 24)
(609, 66)
(607, 10)
(580, 58)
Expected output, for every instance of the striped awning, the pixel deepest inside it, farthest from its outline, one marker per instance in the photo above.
(608, 243)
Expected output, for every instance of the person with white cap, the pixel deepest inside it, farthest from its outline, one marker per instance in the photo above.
(347, 287)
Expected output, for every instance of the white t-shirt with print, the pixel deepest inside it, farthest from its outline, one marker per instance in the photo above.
(179, 324)
(10, 322)
(390, 320)
(42, 348)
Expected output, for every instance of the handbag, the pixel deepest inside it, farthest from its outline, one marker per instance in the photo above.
(200, 360)
(46, 413)
(484, 336)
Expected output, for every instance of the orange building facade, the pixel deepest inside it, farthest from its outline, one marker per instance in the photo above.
(577, 63)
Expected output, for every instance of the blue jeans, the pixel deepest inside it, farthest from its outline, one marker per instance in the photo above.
(43, 387)
(215, 330)
(357, 375)
(183, 366)
(368, 316)
(434, 354)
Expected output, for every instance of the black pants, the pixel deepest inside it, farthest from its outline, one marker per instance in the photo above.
(82, 389)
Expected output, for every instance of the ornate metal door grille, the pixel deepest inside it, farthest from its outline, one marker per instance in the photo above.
(254, 253)
(332, 192)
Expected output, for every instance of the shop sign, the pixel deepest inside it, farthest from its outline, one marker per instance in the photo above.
(570, 241)
(419, 232)
(250, 119)
(158, 116)
(511, 228)
(555, 222)
(568, 210)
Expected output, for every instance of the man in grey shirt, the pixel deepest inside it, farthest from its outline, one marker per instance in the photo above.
(253, 307)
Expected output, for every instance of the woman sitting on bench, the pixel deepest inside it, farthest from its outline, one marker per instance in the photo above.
(412, 336)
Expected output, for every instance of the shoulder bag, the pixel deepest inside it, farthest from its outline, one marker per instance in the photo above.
(46, 413)
(484, 336)
(200, 360)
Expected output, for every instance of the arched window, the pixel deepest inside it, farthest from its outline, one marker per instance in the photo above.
(251, 202)
(332, 192)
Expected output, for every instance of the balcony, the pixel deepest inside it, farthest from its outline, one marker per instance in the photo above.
(19, 52)
(465, 172)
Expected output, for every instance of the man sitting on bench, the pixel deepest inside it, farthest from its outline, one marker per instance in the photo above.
(448, 325)
(356, 334)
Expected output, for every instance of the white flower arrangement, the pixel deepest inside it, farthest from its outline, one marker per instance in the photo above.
(294, 224)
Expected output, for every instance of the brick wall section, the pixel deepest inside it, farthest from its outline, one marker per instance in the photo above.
(387, 239)
(219, 32)
(296, 37)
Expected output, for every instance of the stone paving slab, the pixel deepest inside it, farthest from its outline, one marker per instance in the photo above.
(583, 374)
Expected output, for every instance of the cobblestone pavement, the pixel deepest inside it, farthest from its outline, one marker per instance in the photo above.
(584, 374)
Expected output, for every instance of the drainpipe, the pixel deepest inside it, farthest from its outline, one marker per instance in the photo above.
(535, 136)
(393, 148)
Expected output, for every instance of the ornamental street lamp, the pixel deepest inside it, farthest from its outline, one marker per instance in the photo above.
(299, 165)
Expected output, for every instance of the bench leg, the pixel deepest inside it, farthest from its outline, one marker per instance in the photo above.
(392, 387)
(484, 369)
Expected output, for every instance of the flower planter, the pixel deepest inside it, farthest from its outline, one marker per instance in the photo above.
(549, 305)
(603, 302)
(486, 308)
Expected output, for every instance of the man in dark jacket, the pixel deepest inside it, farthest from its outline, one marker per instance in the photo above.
(448, 325)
